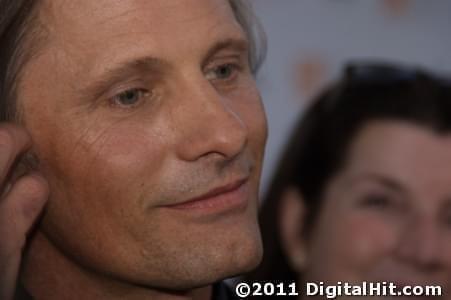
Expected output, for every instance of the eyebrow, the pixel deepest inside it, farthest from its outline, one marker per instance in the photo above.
(383, 180)
(151, 65)
(126, 70)
(235, 44)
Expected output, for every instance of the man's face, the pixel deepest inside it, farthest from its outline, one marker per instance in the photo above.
(134, 107)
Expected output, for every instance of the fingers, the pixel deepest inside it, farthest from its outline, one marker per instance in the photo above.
(18, 212)
(8, 276)
(13, 142)
(21, 201)
(20, 207)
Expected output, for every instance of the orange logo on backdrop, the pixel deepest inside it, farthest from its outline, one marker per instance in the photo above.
(396, 8)
(311, 73)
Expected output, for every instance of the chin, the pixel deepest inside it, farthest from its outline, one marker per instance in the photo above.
(233, 248)
(246, 259)
(198, 254)
(215, 262)
(242, 246)
(242, 256)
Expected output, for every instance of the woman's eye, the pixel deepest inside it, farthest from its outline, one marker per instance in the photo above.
(447, 219)
(222, 72)
(129, 98)
(376, 201)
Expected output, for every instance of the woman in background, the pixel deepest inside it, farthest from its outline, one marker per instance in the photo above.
(363, 191)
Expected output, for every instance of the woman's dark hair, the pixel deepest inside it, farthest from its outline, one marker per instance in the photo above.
(319, 144)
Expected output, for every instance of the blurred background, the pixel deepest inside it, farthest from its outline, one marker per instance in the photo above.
(310, 40)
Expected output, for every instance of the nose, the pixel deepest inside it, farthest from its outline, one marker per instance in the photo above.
(421, 243)
(211, 123)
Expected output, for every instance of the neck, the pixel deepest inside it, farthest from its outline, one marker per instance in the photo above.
(49, 274)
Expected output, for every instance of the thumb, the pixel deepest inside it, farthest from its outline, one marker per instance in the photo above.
(19, 209)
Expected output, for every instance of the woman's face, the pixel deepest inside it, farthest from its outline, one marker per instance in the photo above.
(386, 216)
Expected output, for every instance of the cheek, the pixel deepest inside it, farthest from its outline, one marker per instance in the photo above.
(250, 108)
(128, 150)
(371, 238)
(94, 173)
(350, 246)
(103, 186)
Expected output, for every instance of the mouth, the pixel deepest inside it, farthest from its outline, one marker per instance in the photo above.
(227, 197)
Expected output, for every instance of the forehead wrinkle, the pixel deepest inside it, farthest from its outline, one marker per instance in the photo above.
(51, 15)
(68, 24)
(219, 24)
(122, 14)
(201, 14)
(67, 10)
(62, 40)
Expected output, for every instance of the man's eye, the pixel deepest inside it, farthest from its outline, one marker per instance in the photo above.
(222, 72)
(129, 98)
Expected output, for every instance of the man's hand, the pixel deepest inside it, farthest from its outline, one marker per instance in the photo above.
(21, 201)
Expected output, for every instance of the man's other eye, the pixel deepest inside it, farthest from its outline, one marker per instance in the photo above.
(222, 72)
(129, 98)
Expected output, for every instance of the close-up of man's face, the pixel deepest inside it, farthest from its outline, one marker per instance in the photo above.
(147, 123)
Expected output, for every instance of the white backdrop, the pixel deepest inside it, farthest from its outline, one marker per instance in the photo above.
(309, 40)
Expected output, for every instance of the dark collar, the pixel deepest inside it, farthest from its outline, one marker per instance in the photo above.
(21, 293)
(221, 291)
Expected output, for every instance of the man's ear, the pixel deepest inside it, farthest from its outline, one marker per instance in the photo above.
(291, 223)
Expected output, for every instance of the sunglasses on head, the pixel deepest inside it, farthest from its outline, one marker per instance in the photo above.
(387, 74)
